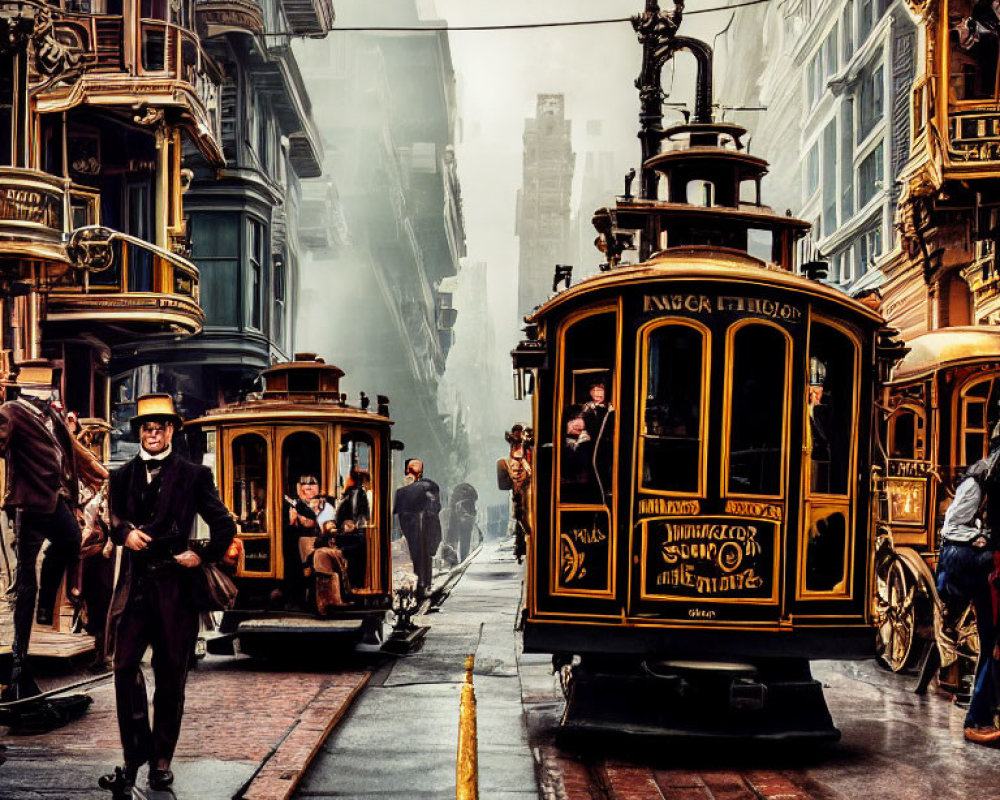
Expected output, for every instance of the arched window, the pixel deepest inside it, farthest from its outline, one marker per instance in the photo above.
(301, 455)
(979, 414)
(250, 485)
(907, 434)
(757, 396)
(673, 408)
(588, 414)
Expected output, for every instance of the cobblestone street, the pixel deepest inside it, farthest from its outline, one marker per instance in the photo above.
(246, 729)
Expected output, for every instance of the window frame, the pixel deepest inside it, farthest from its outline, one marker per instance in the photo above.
(727, 409)
(960, 405)
(816, 505)
(642, 376)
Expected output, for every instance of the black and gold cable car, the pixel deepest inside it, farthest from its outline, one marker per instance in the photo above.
(300, 434)
(941, 406)
(702, 497)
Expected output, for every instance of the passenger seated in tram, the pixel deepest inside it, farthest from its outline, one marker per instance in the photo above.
(330, 570)
(352, 542)
(305, 516)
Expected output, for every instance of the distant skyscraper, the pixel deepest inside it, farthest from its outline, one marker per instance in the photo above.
(543, 219)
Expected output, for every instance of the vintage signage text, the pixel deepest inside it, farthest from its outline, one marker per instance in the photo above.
(703, 304)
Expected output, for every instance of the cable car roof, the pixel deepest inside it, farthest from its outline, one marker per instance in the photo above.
(262, 412)
(948, 348)
(711, 264)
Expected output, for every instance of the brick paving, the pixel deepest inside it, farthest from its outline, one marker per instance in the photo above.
(576, 777)
(269, 723)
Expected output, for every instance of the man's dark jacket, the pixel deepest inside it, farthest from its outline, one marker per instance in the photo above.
(36, 469)
(417, 506)
(185, 490)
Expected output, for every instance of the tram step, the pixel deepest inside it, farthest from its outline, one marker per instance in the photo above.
(299, 625)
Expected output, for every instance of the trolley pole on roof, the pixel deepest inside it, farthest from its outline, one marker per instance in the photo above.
(467, 770)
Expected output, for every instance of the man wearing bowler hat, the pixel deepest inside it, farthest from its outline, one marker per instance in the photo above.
(154, 499)
(41, 493)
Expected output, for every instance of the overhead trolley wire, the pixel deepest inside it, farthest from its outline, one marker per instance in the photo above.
(530, 25)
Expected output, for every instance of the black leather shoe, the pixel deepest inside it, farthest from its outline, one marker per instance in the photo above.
(119, 783)
(160, 779)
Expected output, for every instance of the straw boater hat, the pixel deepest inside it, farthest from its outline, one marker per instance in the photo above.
(155, 408)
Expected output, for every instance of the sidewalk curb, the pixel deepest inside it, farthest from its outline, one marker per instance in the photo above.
(279, 774)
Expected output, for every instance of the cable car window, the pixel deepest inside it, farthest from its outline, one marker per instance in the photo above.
(672, 422)
(979, 415)
(354, 469)
(250, 482)
(760, 243)
(831, 409)
(906, 434)
(757, 412)
(302, 455)
(354, 518)
(588, 416)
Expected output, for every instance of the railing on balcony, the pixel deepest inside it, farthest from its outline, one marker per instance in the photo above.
(145, 290)
(139, 267)
(155, 51)
(974, 135)
(37, 210)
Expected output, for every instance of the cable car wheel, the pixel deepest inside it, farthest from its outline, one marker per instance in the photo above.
(897, 616)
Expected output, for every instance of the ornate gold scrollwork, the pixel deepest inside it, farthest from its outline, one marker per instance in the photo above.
(90, 248)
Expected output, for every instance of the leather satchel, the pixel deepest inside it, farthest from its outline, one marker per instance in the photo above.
(213, 589)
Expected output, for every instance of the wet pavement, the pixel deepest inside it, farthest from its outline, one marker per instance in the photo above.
(390, 727)
(895, 745)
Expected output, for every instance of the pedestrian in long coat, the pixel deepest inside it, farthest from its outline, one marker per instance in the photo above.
(154, 500)
(41, 493)
(417, 506)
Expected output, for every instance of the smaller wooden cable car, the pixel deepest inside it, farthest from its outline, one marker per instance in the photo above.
(701, 487)
(298, 450)
(941, 406)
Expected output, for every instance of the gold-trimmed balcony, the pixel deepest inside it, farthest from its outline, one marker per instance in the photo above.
(218, 17)
(37, 212)
(148, 66)
(129, 289)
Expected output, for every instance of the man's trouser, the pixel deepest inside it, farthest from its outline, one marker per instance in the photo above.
(156, 614)
(63, 532)
(963, 576)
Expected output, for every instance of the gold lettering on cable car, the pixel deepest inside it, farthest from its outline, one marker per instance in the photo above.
(749, 508)
(709, 557)
(661, 507)
(702, 304)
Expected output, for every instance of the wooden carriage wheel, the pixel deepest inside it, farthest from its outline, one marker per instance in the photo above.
(897, 631)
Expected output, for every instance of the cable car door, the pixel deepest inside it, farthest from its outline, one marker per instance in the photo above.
(712, 470)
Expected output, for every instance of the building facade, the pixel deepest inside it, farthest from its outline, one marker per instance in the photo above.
(832, 80)
(100, 100)
(243, 216)
(543, 202)
(377, 292)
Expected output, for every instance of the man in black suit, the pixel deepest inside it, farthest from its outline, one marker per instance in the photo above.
(417, 505)
(154, 500)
